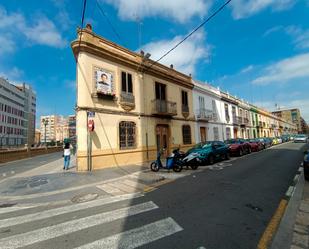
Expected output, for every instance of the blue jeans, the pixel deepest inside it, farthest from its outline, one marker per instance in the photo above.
(66, 162)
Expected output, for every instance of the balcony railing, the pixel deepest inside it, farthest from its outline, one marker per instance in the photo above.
(164, 107)
(185, 109)
(127, 98)
(237, 120)
(207, 115)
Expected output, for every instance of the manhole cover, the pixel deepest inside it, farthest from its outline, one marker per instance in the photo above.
(84, 198)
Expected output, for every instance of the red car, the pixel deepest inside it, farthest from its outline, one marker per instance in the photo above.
(238, 146)
(256, 144)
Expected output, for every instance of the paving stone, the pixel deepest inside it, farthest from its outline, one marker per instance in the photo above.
(304, 206)
(296, 247)
(302, 218)
(301, 229)
(300, 240)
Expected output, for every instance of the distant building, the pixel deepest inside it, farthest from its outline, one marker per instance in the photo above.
(57, 128)
(72, 128)
(37, 136)
(17, 114)
(293, 116)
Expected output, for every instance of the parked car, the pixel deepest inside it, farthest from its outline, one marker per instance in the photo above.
(274, 141)
(208, 152)
(306, 165)
(256, 144)
(279, 140)
(285, 138)
(300, 138)
(238, 146)
(266, 142)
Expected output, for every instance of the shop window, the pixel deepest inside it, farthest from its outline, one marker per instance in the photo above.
(127, 135)
(186, 134)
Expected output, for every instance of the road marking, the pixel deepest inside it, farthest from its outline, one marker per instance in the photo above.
(12, 209)
(61, 229)
(62, 210)
(4, 174)
(137, 237)
(12, 172)
(272, 225)
(289, 193)
(296, 178)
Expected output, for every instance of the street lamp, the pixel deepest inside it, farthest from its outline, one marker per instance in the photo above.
(45, 122)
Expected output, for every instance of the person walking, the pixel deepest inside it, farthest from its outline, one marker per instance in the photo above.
(66, 155)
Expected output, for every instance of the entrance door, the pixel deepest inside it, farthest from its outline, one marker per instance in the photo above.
(203, 134)
(235, 133)
(162, 139)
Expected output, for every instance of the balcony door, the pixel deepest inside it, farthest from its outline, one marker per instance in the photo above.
(161, 103)
(162, 136)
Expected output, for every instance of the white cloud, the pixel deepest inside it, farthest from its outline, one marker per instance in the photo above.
(285, 70)
(44, 32)
(13, 75)
(246, 8)
(247, 69)
(14, 25)
(300, 36)
(185, 57)
(180, 10)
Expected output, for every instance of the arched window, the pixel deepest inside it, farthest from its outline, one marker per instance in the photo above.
(127, 136)
(186, 134)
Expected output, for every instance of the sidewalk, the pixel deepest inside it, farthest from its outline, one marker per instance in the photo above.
(301, 228)
(50, 183)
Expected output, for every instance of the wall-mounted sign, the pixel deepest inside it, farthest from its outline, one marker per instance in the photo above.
(104, 81)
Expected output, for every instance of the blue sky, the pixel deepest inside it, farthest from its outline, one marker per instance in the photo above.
(255, 49)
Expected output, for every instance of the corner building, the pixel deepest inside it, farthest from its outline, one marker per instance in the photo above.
(139, 106)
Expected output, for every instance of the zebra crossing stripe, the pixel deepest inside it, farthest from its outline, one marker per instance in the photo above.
(62, 210)
(61, 229)
(12, 209)
(136, 237)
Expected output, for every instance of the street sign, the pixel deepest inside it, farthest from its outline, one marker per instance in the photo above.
(91, 114)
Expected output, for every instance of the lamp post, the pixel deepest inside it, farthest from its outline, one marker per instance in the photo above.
(45, 122)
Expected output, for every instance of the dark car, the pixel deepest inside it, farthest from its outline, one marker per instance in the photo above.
(209, 152)
(256, 144)
(306, 165)
(266, 141)
(238, 146)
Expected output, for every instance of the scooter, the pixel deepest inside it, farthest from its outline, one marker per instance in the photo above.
(183, 159)
(172, 162)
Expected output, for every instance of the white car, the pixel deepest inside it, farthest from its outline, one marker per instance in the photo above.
(301, 138)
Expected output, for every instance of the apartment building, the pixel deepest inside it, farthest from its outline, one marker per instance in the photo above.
(17, 114)
(129, 107)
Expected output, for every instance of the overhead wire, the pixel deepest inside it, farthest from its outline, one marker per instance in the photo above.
(82, 26)
(190, 34)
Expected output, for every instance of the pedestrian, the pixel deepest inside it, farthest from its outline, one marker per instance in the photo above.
(66, 155)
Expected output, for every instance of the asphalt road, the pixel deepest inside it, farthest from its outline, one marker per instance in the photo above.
(214, 209)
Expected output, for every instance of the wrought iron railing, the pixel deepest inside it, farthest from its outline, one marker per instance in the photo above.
(164, 107)
(205, 114)
(127, 98)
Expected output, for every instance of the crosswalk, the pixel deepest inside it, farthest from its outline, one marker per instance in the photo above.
(31, 229)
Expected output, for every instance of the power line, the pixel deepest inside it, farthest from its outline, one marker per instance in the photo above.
(82, 25)
(190, 34)
(110, 23)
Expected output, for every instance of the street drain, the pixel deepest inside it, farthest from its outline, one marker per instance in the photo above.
(5, 205)
(256, 208)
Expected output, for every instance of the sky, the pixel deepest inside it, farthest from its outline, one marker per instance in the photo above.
(257, 50)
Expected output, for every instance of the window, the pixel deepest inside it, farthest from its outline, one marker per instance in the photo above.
(227, 116)
(228, 133)
(201, 101)
(126, 83)
(184, 98)
(160, 91)
(186, 134)
(127, 135)
(216, 133)
(213, 104)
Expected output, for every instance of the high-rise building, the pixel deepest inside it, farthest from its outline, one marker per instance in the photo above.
(17, 114)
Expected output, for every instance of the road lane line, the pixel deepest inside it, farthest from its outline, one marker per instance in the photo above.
(137, 237)
(272, 225)
(62, 210)
(68, 227)
(290, 191)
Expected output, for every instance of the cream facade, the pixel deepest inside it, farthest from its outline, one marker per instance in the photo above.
(146, 108)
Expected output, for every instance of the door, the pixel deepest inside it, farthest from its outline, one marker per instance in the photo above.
(162, 139)
(203, 134)
(161, 104)
(235, 133)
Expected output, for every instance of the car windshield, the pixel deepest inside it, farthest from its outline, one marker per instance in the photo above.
(208, 144)
(252, 140)
(232, 141)
(300, 136)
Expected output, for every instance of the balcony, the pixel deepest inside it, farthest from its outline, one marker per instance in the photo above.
(127, 101)
(206, 115)
(237, 120)
(164, 107)
(185, 110)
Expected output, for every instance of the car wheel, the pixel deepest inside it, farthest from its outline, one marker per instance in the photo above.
(240, 153)
(177, 167)
(211, 160)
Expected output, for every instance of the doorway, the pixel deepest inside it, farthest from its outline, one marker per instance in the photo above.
(235, 133)
(203, 134)
(162, 136)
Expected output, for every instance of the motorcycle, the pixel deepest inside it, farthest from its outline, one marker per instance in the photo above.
(172, 162)
(192, 160)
